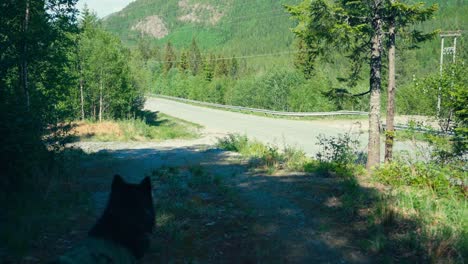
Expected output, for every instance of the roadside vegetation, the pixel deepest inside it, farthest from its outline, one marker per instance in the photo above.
(416, 209)
(152, 127)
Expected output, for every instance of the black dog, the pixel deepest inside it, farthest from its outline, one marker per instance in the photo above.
(122, 234)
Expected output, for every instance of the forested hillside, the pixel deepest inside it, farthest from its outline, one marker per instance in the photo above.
(258, 36)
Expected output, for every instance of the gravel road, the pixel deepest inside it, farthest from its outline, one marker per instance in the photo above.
(297, 133)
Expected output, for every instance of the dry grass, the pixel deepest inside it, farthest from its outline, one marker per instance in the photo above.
(86, 129)
(152, 127)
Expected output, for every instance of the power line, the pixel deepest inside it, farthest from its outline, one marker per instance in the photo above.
(243, 57)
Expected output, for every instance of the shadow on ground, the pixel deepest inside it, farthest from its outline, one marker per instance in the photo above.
(214, 207)
(251, 218)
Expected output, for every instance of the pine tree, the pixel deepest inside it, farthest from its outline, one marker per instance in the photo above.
(169, 57)
(195, 58)
(221, 67)
(347, 26)
(209, 67)
(234, 68)
(184, 64)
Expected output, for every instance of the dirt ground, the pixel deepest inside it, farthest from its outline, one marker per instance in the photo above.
(252, 217)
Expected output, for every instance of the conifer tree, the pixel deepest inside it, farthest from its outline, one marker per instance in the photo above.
(209, 67)
(221, 67)
(184, 64)
(169, 57)
(195, 58)
(234, 68)
(356, 29)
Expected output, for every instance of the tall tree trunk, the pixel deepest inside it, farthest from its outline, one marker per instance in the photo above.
(100, 101)
(373, 158)
(390, 133)
(24, 85)
(81, 92)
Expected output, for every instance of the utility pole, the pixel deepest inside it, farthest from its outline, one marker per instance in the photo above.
(446, 51)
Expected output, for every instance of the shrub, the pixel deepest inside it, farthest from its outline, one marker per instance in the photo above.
(442, 179)
(341, 149)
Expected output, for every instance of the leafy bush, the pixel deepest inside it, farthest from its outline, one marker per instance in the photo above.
(341, 149)
(233, 142)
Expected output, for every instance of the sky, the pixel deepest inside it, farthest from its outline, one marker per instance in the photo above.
(104, 7)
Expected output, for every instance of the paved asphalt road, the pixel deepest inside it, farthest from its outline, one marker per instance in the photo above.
(301, 134)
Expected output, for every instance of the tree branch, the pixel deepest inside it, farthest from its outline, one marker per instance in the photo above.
(361, 94)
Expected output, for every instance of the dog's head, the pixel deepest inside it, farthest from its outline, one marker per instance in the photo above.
(129, 216)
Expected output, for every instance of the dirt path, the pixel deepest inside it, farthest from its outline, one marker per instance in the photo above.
(293, 218)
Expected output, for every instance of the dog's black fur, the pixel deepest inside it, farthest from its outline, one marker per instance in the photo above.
(128, 219)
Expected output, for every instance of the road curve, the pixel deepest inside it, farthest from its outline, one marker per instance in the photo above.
(297, 133)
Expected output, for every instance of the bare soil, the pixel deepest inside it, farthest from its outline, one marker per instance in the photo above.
(252, 218)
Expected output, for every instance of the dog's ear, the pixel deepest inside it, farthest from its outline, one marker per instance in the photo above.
(145, 184)
(117, 182)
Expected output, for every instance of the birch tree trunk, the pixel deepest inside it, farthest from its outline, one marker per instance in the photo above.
(100, 100)
(81, 92)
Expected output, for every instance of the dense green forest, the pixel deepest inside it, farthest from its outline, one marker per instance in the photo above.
(57, 67)
(258, 34)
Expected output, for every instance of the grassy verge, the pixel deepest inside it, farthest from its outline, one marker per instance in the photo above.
(151, 127)
(199, 219)
(269, 157)
(412, 211)
(36, 218)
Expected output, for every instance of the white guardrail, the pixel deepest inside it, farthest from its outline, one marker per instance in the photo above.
(270, 112)
(297, 114)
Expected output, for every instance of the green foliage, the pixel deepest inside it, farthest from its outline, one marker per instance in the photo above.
(246, 29)
(442, 179)
(341, 149)
(170, 57)
(196, 63)
(268, 156)
(107, 84)
(36, 79)
(416, 210)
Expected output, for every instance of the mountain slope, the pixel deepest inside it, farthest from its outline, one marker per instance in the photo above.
(240, 27)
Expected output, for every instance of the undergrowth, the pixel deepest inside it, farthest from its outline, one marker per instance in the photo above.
(417, 212)
(270, 157)
(37, 217)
